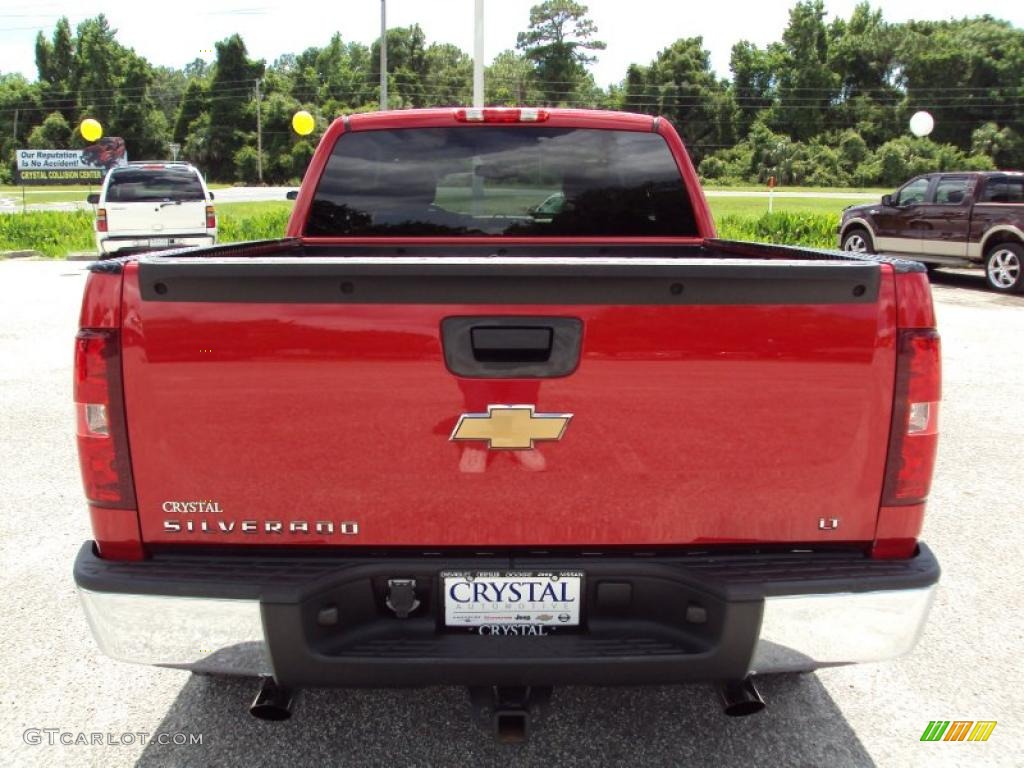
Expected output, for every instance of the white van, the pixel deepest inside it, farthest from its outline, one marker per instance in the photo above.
(153, 205)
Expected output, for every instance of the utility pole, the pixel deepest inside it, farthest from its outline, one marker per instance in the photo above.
(383, 56)
(476, 206)
(259, 134)
(478, 55)
(23, 207)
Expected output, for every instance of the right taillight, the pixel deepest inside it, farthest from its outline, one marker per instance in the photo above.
(914, 435)
(102, 436)
(101, 219)
(211, 217)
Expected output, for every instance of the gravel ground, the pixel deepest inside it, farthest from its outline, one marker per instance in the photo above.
(967, 666)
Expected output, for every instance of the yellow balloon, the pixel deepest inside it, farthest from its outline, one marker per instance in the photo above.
(91, 129)
(303, 123)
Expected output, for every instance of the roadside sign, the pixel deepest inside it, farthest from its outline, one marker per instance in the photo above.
(69, 166)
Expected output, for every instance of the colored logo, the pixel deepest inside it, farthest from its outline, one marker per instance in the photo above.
(511, 427)
(958, 730)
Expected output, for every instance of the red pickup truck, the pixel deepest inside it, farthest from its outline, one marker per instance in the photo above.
(501, 411)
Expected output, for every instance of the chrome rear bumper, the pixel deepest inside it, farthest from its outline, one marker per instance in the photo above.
(804, 632)
(200, 634)
(762, 614)
(798, 633)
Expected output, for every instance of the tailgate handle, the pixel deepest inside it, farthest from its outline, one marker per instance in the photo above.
(512, 344)
(511, 347)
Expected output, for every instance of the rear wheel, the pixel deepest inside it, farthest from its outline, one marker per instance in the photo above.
(857, 240)
(1004, 268)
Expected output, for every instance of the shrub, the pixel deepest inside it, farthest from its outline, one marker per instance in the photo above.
(1004, 146)
(57, 233)
(53, 233)
(261, 226)
(815, 230)
(247, 164)
(853, 150)
(712, 167)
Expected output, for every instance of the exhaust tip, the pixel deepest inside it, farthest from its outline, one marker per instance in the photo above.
(512, 727)
(273, 702)
(740, 698)
(744, 708)
(269, 712)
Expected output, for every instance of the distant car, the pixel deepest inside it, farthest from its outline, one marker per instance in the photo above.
(152, 206)
(948, 219)
(552, 205)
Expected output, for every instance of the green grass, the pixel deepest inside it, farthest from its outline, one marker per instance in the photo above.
(252, 221)
(34, 195)
(56, 233)
(711, 185)
(815, 230)
(253, 209)
(757, 206)
(53, 233)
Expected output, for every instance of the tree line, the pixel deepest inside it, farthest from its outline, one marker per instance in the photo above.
(827, 104)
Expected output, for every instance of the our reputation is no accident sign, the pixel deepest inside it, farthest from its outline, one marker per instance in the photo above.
(70, 166)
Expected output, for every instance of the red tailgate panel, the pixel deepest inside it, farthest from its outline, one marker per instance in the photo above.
(692, 424)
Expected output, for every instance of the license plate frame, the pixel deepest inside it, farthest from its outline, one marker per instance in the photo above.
(471, 608)
(159, 241)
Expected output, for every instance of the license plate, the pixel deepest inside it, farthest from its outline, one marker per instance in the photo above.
(159, 241)
(512, 598)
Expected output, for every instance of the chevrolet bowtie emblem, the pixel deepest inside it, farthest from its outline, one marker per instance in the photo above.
(511, 427)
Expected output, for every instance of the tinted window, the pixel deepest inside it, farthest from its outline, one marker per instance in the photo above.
(913, 192)
(1003, 189)
(501, 180)
(148, 185)
(951, 190)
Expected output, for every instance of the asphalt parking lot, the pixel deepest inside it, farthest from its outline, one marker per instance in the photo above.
(968, 665)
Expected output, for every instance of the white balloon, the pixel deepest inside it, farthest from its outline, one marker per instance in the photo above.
(921, 123)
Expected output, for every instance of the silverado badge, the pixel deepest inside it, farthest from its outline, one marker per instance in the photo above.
(511, 427)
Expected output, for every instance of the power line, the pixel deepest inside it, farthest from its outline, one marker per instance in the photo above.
(417, 78)
(439, 88)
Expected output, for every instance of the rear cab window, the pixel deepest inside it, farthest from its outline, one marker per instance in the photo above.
(154, 185)
(501, 180)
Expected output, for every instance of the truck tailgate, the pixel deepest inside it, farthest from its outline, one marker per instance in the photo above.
(156, 218)
(310, 401)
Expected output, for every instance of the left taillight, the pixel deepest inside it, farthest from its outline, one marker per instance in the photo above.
(101, 219)
(211, 217)
(913, 439)
(102, 433)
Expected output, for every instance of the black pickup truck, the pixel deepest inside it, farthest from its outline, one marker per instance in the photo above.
(948, 220)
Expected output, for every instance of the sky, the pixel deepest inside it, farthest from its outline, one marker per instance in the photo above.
(175, 33)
